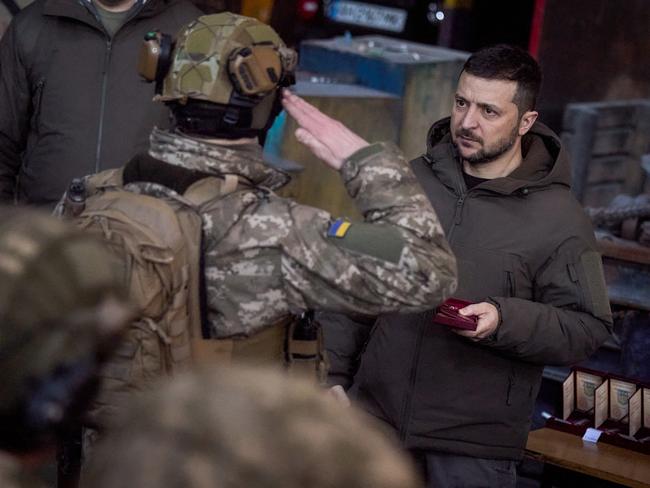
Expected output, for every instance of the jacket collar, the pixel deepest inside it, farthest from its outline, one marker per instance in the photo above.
(83, 10)
(545, 161)
(245, 161)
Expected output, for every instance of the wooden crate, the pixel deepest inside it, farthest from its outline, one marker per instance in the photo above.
(607, 142)
(424, 77)
(370, 113)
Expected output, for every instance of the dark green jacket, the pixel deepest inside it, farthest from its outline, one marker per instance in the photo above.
(71, 101)
(521, 242)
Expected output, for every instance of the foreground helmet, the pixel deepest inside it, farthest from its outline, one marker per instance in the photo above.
(221, 75)
(61, 312)
(233, 427)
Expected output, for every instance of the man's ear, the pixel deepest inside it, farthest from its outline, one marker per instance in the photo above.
(527, 121)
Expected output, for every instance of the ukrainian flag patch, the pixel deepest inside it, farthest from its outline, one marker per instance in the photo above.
(338, 228)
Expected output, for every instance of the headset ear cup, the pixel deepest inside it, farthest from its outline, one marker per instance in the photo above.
(165, 57)
(255, 71)
(233, 61)
(155, 57)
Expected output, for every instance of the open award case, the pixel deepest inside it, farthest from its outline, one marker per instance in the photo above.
(639, 423)
(614, 413)
(614, 405)
(578, 401)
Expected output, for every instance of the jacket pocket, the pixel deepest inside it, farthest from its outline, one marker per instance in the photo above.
(34, 123)
(575, 280)
(517, 279)
(491, 273)
(510, 283)
(37, 101)
(512, 382)
(522, 389)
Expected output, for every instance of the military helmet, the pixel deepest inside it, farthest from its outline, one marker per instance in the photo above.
(61, 310)
(233, 427)
(234, 62)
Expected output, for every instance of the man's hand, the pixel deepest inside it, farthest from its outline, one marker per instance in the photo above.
(488, 320)
(327, 138)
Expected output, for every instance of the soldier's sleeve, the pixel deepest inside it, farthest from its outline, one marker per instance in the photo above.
(397, 259)
(14, 112)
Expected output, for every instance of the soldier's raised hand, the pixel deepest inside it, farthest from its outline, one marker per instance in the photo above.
(327, 138)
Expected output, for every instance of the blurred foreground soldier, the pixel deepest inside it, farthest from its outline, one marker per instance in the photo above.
(245, 428)
(60, 315)
(218, 262)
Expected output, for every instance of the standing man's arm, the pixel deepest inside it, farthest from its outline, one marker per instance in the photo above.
(345, 338)
(567, 321)
(15, 106)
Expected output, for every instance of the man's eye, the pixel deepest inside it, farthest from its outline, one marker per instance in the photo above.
(489, 111)
(460, 103)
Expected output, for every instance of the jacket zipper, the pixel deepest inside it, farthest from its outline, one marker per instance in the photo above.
(458, 212)
(102, 103)
(458, 215)
(406, 412)
(107, 60)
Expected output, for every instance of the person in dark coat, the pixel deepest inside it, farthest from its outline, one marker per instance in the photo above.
(71, 101)
(461, 401)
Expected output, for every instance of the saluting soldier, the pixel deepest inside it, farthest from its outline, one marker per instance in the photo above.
(265, 257)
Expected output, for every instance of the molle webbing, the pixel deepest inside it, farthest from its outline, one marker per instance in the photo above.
(266, 348)
(274, 346)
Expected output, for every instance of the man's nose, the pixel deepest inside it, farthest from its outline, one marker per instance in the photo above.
(470, 119)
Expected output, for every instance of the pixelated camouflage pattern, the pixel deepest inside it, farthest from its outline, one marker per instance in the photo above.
(243, 160)
(267, 256)
(13, 475)
(199, 67)
(232, 428)
(51, 278)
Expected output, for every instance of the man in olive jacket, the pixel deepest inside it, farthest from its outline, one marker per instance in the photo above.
(71, 101)
(500, 182)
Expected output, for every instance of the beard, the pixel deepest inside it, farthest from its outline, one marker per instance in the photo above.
(489, 153)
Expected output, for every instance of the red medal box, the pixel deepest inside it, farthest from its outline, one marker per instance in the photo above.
(447, 314)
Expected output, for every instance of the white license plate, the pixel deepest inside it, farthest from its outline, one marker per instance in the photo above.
(366, 15)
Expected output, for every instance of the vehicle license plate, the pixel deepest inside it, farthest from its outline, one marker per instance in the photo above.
(366, 15)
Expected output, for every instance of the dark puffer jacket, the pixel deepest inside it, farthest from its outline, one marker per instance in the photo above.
(521, 242)
(71, 101)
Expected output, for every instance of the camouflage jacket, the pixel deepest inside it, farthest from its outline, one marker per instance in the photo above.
(266, 256)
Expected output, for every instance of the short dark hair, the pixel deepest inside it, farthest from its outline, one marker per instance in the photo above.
(511, 63)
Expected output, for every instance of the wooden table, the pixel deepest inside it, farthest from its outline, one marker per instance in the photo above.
(598, 460)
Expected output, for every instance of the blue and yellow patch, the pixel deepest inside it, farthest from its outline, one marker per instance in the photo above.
(338, 228)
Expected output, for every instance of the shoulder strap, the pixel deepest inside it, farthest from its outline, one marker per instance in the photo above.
(109, 178)
(208, 188)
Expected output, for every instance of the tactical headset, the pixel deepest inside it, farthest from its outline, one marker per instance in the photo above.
(155, 57)
(254, 71)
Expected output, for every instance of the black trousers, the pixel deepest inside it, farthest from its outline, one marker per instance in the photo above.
(441, 470)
